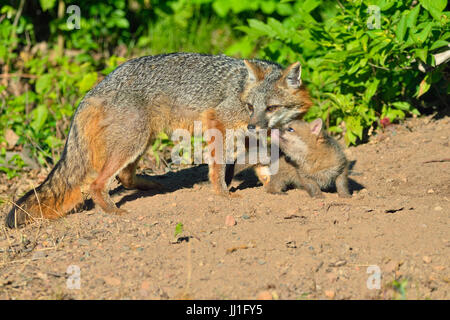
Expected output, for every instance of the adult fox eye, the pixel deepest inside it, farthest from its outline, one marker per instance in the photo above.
(290, 129)
(271, 108)
(250, 107)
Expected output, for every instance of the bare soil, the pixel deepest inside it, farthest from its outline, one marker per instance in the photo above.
(282, 246)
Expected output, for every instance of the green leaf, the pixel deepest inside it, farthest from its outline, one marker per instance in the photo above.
(268, 7)
(163, 136)
(407, 108)
(53, 142)
(238, 6)
(354, 129)
(434, 7)
(221, 7)
(394, 114)
(438, 5)
(178, 229)
(122, 23)
(310, 5)
(371, 89)
(40, 115)
(423, 35)
(349, 137)
(401, 29)
(243, 47)
(424, 86)
(439, 44)
(402, 105)
(278, 28)
(87, 82)
(384, 4)
(421, 54)
(43, 84)
(284, 9)
(47, 4)
(412, 17)
(261, 27)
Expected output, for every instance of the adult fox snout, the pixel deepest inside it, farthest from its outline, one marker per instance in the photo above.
(257, 121)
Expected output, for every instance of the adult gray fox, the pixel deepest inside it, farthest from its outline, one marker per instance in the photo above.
(118, 119)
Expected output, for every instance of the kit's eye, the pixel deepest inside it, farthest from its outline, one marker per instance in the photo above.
(250, 107)
(272, 108)
(290, 129)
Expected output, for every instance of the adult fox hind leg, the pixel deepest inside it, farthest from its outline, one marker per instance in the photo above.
(99, 188)
(112, 151)
(128, 178)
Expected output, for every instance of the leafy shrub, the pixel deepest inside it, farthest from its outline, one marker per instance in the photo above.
(43, 83)
(359, 74)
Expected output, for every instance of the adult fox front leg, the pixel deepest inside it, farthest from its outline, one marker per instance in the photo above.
(118, 119)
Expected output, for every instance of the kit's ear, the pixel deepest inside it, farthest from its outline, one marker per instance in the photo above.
(292, 76)
(316, 126)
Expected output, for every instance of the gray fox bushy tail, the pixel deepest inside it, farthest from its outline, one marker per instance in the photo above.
(59, 193)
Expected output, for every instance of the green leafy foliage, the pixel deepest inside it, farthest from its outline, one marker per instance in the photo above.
(44, 82)
(400, 288)
(161, 144)
(357, 74)
(12, 166)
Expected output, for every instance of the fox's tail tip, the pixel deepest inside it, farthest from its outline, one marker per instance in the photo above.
(14, 218)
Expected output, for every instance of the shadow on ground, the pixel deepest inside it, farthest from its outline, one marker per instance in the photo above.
(187, 178)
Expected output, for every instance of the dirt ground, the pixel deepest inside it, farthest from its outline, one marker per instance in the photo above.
(282, 246)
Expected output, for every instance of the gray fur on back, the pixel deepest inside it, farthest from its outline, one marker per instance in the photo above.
(191, 80)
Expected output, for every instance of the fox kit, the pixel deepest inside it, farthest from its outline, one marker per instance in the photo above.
(312, 160)
(119, 118)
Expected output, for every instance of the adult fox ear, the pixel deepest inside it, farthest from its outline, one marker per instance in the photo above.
(254, 72)
(316, 127)
(292, 76)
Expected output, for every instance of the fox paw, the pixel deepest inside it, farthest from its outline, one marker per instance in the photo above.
(115, 211)
(345, 195)
(317, 195)
(120, 212)
(278, 193)
(234, 195)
